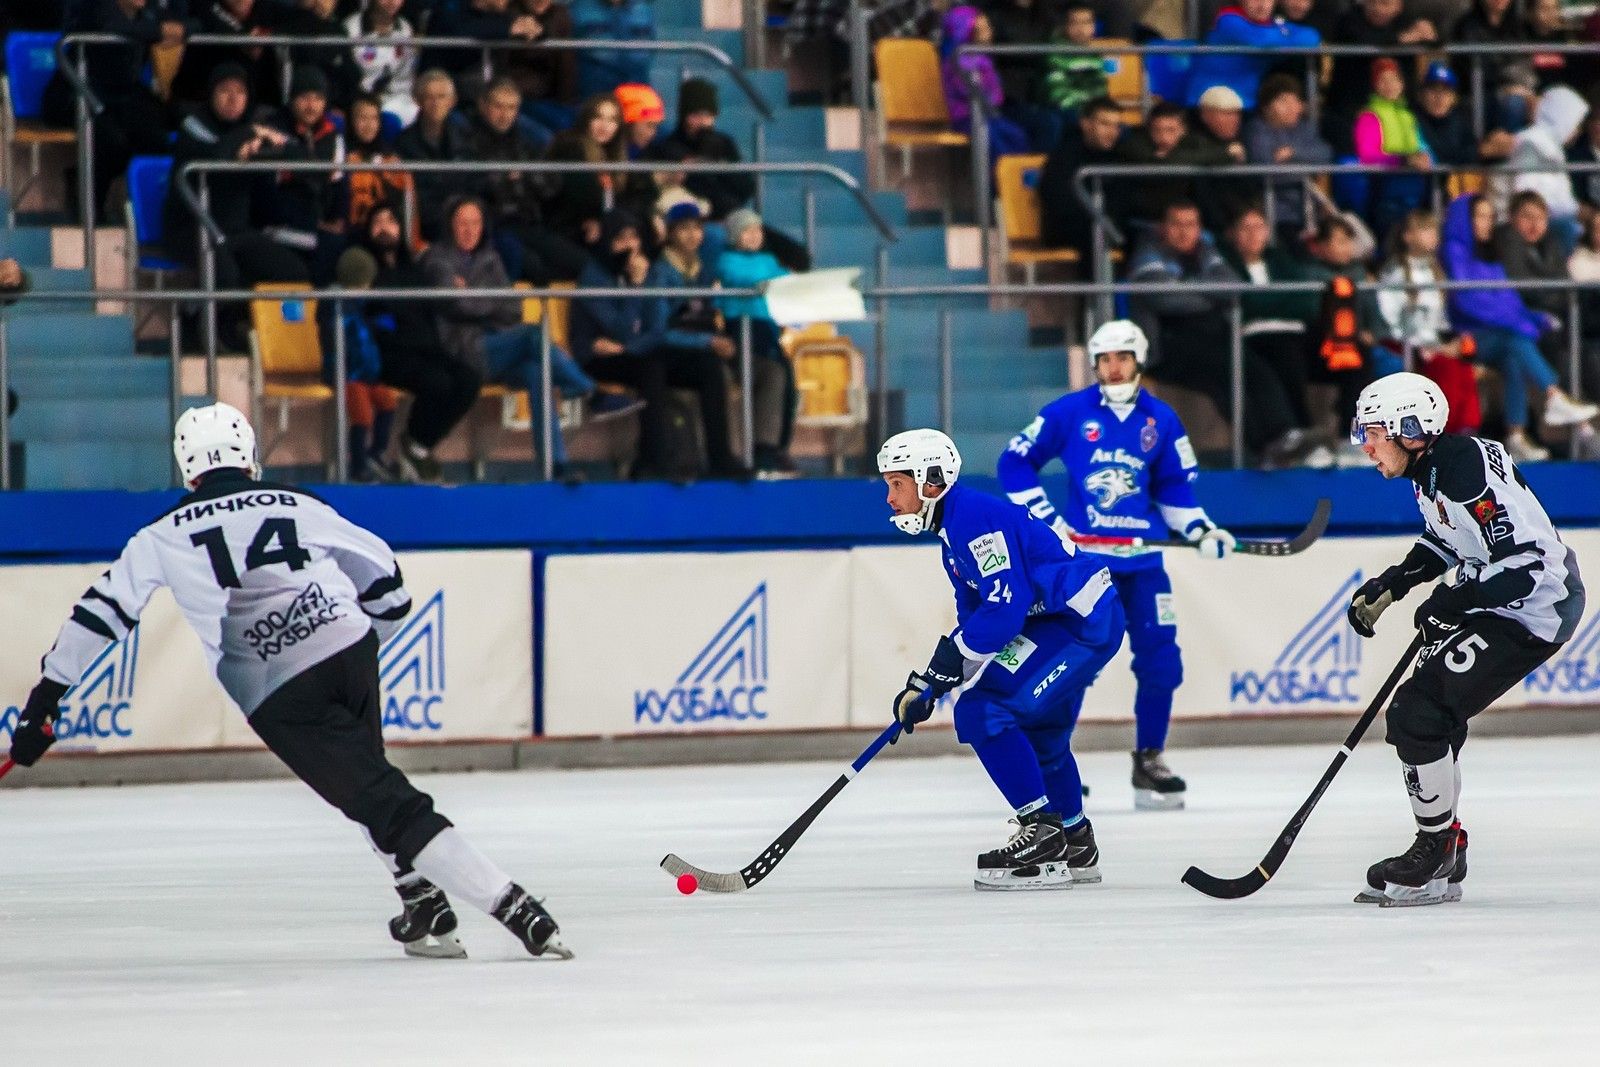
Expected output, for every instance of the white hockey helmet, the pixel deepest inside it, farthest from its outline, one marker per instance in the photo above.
(214, 437)
(930, 457)
(1404, 404)
(1119, 335)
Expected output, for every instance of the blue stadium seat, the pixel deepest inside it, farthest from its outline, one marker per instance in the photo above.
(30, 61)
(147, 192)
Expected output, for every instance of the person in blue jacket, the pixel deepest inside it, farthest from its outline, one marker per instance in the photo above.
(1130, 470)
(1250, 22)
(1036, 620)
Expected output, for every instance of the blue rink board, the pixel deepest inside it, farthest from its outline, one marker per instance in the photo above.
(39, 526)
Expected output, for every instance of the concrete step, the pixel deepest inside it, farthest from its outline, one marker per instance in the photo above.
(856, 246)
(111, 424)
(69, 336)
(28, 245)
(988, 410)
(90, 377)
(92, 465)
(56, 280)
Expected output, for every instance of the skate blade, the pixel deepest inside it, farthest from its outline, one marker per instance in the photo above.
(1374, 896)
(1150, 800)
(1437, 891)
(1043, 876)
(555, 949)
(1084, 875)
(435, 947)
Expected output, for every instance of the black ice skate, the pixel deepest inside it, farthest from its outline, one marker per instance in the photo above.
(1155, 787)
(532, 925)
(1082, 855)
(427, 928)
(1034, 858)
(1374, 892)
(1421, 875)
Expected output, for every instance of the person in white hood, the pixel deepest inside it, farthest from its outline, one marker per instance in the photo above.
(1544, 144)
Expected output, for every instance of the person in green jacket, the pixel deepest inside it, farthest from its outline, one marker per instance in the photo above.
(1070, 81)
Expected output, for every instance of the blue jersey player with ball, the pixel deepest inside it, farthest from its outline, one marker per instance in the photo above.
(1036, 620)
(1131, 472)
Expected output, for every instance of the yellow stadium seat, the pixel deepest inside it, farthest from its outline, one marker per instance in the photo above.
(1464, 184)
(1020, 220)
(1125, 79)
(165, 59)
(911, 107)
(285, 361)
(831, 375)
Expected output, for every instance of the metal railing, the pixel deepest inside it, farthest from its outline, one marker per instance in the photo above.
(209, 234)
(75, 69)
(982, 178)
(1272, 174)
(880, 295)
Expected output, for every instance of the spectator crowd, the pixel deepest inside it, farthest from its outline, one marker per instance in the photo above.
(1415, 219)
(337, 101)
(1445, 197)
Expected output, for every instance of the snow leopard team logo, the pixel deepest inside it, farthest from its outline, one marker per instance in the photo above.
(1110, 485)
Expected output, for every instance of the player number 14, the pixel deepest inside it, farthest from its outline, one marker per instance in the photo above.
(261, 553)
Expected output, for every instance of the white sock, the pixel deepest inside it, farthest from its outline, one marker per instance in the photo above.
(1455, 807)
(388, 860)
(451, 862)
(1432, 788)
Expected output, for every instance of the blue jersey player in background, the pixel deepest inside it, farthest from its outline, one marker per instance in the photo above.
(1036, 620)
(1130, 473)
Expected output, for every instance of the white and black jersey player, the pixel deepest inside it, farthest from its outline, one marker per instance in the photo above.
(289, 600)
(1515, 600)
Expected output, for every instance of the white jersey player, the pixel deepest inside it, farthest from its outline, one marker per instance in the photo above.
(289, 600)
(1516, 599)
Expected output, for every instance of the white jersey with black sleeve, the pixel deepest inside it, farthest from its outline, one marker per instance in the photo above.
(1482, 518)
(272, 579)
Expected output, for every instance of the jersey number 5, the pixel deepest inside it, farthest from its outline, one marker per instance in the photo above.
(261, 552)
(1463, 656)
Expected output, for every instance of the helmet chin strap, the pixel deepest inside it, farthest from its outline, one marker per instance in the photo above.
(1413, 456)
(923, 519)
(1120, 392)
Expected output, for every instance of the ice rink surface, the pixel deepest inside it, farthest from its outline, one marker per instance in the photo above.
(245, 924)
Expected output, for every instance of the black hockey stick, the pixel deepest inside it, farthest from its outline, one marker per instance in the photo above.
(1298, 543)
(763, 864)
(1234, 888)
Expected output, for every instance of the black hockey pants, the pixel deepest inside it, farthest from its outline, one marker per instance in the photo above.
(326, 724)
(1459, 673)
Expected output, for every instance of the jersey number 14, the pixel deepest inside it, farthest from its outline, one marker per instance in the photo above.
(275, 542)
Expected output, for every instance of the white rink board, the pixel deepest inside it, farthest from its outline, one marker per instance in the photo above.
(1259, 635)
(657, 643)
(461, 668)
(152, 690)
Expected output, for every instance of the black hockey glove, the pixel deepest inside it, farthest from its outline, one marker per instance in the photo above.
(36, 726)
(1370, 601)
(915, 703)
(945, 671)
(946, 668)
(1444, 608)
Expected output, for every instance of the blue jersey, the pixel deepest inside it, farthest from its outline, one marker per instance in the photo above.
(1130, 474)
(1006, 566)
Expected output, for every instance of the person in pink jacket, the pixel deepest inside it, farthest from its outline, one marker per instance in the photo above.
(1387, 135)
